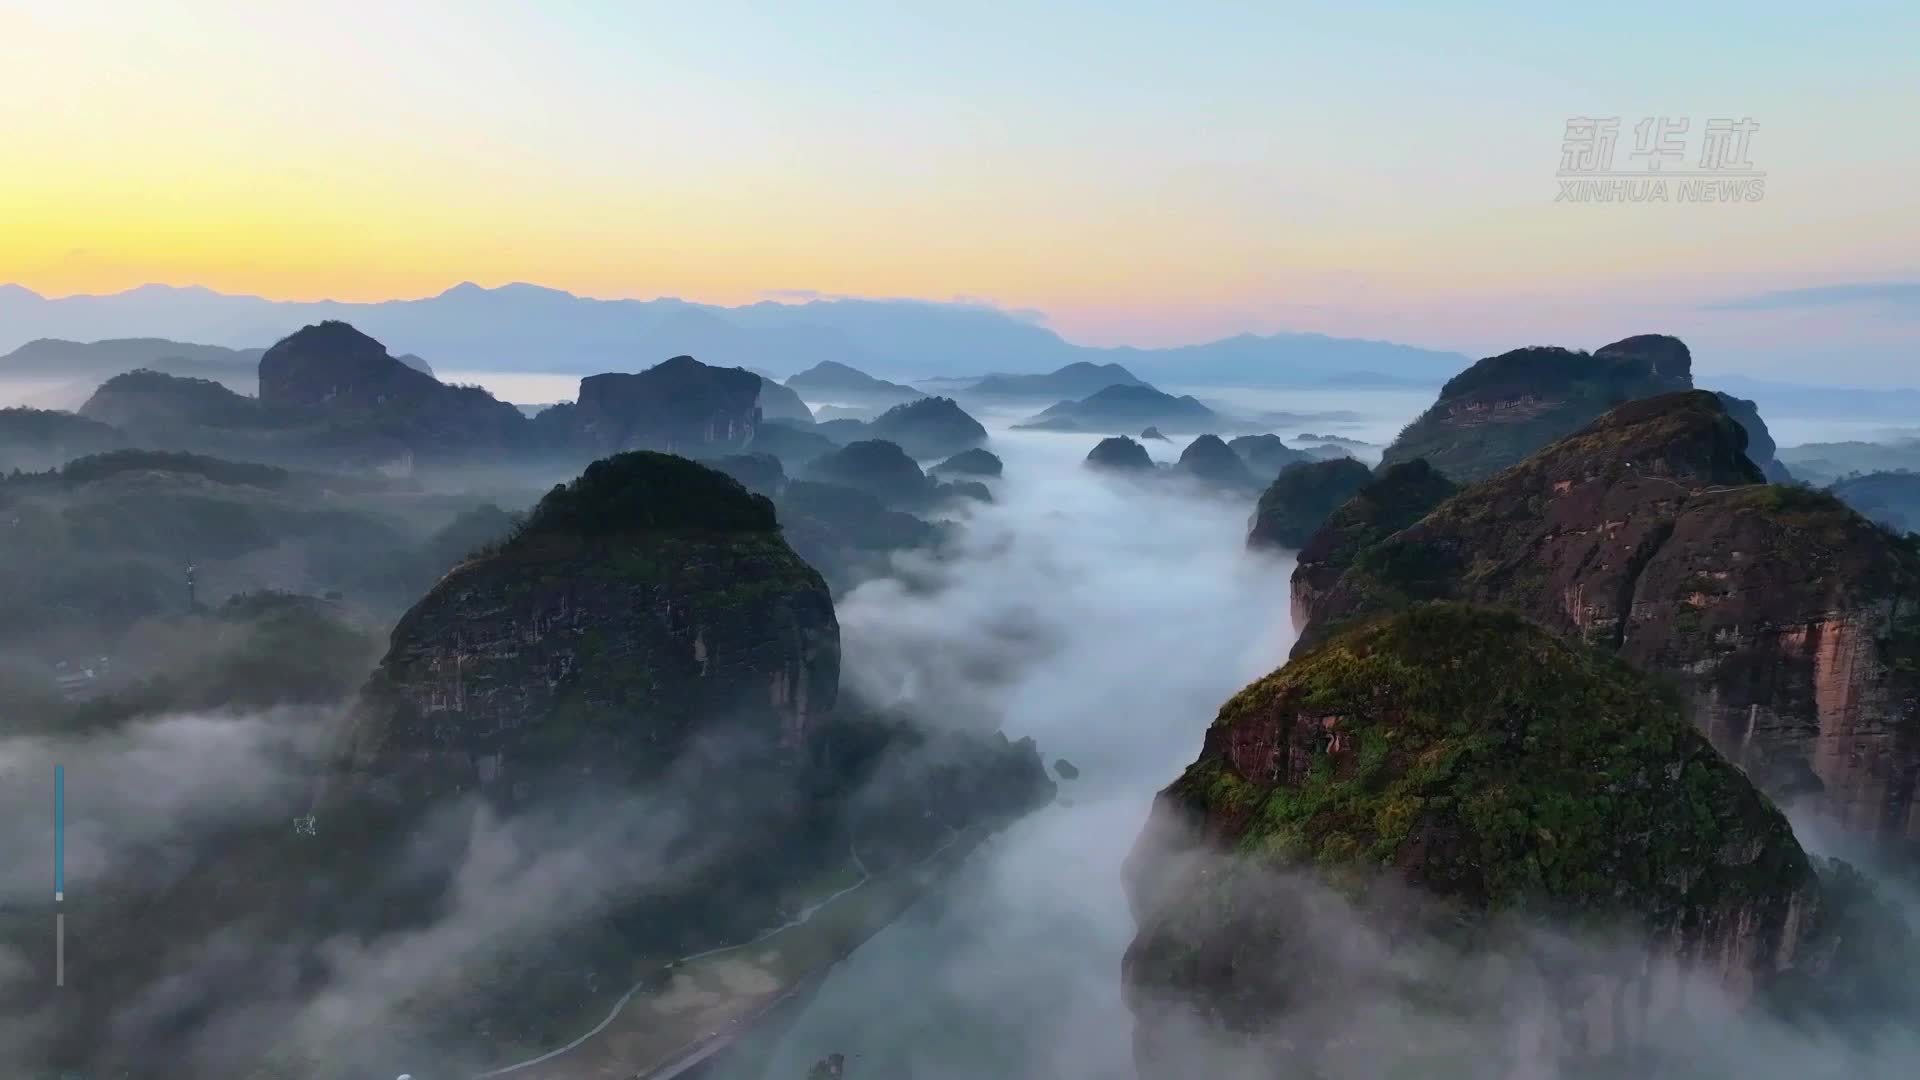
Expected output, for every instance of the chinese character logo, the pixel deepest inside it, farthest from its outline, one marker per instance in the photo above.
(1661, 168)
(304, 826)
(1725, 146)
(1656, 142)
(1587, 146)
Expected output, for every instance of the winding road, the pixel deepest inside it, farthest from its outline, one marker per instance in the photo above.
(702, 1049)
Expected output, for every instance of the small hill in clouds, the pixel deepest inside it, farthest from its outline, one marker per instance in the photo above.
(1120, 409)
(837, 383)
(523, 327)
(1076, 380)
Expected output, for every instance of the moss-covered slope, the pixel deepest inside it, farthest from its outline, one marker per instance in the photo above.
(1491, 768)
(1792, 622)
(1396, 497)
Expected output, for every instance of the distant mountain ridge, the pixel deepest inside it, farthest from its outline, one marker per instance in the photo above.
(98, 361)
(522, 327)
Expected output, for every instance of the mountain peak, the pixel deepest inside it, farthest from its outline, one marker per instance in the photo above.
(156, 290)
(331, 335)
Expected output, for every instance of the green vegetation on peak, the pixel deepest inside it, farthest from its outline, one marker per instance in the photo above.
(1301, 498)
(1490, 761)
(1396, 497)
(645, 491)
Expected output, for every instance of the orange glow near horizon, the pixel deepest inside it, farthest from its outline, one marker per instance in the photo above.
(382, 154)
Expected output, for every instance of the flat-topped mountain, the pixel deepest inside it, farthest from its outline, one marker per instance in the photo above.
(1120, 409)
(679, 405)
(1791, 622)
(1505, 407)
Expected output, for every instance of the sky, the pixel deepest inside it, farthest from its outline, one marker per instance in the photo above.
(1145, 174)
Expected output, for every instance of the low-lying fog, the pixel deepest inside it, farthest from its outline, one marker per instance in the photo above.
(1109, 621)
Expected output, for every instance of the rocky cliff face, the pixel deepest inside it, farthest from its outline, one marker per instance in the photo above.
(1396, 497)
(1377, 832)
(650, 597)
(1300, 498)
(1760, 444)
(1792, 622)
(680, 406)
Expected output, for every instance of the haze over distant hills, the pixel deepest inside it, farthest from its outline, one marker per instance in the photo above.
(98, 361)
(530, 328)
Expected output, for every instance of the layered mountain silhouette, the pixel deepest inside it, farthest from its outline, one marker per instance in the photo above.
(522, 327)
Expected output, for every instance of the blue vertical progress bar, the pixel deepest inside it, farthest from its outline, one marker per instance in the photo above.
(59, 833)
